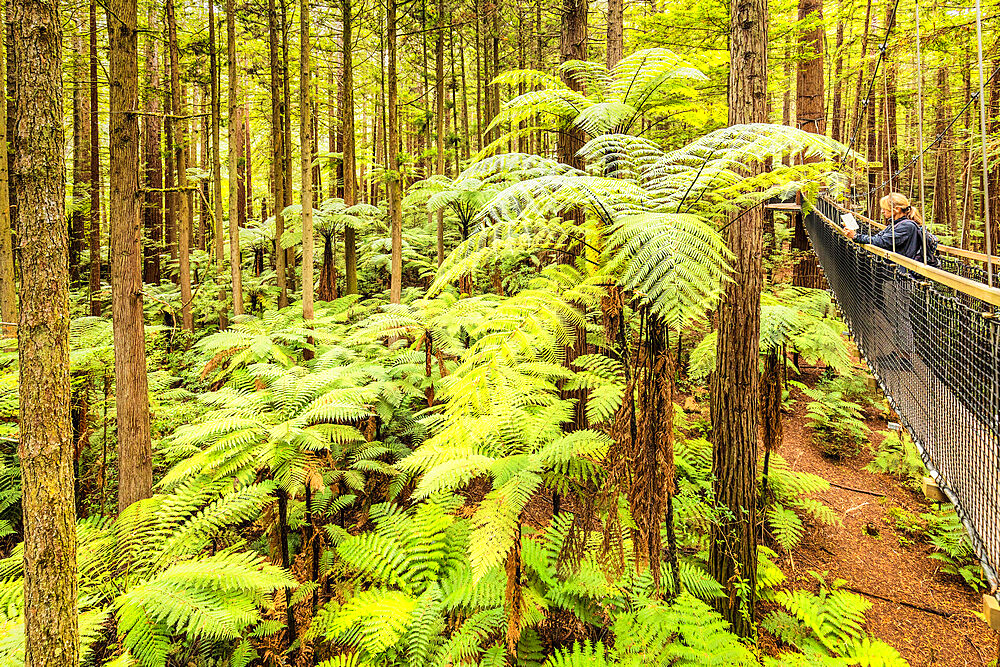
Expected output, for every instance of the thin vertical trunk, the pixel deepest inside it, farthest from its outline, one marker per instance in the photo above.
(736, 381)
(8, 290)
(277, 152)
(237, 188)
(135, 455)
(439, 119)
(347, 127)
(286, 124)
(616, 32)
(216, 102)
(395, 200)
(465, 98)
(837, 115)
(944, 197)
(46, 434)
(152, 211)
(81, 155)
(479, 77)
(182, 207)
(334, 104)
(95, 174)
(305, 152)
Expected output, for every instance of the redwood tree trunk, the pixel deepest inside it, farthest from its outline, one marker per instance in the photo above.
(182, 209)
(277, 152)
(216, 103)
(439, 119)
(237, 210)
(810, 115)
(8, 290)
(736, 381)
(95, 174)
(305, 153)
(152, 160)
(46, 435)
(616, 32)
(572, 46)
(349, 162)
(395, 200)
(135, 456)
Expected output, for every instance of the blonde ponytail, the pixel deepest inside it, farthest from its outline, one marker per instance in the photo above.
(896, 200)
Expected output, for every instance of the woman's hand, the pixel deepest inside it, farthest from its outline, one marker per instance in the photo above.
(850, 233)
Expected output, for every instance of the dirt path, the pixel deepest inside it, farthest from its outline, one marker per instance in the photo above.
(867, 551)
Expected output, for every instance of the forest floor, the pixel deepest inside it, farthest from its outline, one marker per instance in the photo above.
(928, 616)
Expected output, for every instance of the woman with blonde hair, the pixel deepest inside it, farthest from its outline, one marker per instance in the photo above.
(904, 233)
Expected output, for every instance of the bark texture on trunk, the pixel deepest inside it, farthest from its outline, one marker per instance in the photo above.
(810, 112)
(736, 381)
(135, 456)
(572, 46)
(46, 433)
(616, 32)
(8, 290)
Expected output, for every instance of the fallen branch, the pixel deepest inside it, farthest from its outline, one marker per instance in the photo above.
(851, 488)
(929, 610)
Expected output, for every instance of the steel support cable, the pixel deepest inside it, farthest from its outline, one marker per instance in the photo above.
(982, 132)
(937, 140)
(888, 153)
(920, 132)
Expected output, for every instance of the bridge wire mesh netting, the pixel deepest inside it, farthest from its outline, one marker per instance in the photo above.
(935, 352)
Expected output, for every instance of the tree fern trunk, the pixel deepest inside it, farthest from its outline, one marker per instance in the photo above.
(285, 561)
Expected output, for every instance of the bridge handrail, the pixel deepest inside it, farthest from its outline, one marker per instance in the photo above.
(946, 249)
(973, 288)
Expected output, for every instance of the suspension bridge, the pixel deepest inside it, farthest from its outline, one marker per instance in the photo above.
(930, 335)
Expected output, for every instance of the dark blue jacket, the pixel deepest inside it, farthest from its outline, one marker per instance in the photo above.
(909, 239)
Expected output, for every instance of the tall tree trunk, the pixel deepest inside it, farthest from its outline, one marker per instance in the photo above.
(286, 124)
(439, 119)
(305, 152)
(81, 155)
(616, 32)
(46, 434)
(863, 75)
(277, 152)
(216, 102)
(237, 187)
(95, 174)
(944, 196)
(349, 161)
(395, 200)
(135, 455)
(8, 290)
(182, 209)
(837, 115)
(810, 115)
(736, 381)
(152, 212)
(572, 46)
